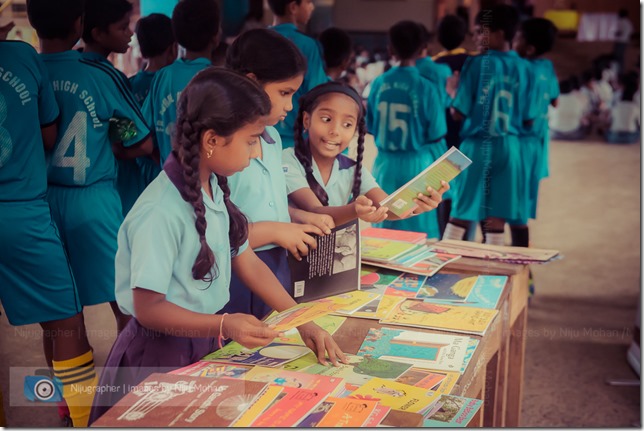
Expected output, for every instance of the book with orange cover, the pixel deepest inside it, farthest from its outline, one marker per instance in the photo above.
(396, 235)
(376, 416)
(290, 409)
(295, 379)
(347, 413)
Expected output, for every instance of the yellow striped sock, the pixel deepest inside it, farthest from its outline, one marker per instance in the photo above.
(79, 381)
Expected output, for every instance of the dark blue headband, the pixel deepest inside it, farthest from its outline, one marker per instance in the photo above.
(335, 87)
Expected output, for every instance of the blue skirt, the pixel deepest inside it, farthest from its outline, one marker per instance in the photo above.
(139, 352)
(243, 300)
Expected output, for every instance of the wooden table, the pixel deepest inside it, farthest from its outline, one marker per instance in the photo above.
(495, 372)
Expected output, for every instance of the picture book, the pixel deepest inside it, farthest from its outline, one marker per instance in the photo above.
(377, 416)
(314, 418)
(272, 355)
(420, 349)
(385, 250)
(421, 378)
(411, 312)
(171, 400)
(394, 234)
(485, 293)
(347, 413)
(346, 303)
(299, 315)
(292, 408)
(331, 268)
(469, 353)
(212, 370)
(426, 267)
(321, 383)
(452, 411)
(374, 279)
(407, 285)
(447, 287)
(329, 323)
(262, 402)
(377, 310)
(495, 252)
(395, 395)
(361, 369)
(445, 168)
(301, 363)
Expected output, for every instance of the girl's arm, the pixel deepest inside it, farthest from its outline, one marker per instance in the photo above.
(143, 148)
(260, 279)
(154, 312)
(293, 237)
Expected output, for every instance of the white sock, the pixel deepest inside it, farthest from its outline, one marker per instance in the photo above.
(454, 232)
(497, 238)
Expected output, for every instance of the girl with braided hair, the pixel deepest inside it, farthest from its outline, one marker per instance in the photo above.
(178, 243)
(319, 178)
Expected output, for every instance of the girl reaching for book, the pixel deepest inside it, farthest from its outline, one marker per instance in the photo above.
(179, 241)
(319, 178)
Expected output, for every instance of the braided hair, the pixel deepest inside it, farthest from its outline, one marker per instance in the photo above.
(308, 103)
(223, 101)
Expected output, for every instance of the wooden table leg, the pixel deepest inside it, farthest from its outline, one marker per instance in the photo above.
(515, 371)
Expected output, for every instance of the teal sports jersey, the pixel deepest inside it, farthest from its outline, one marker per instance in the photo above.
(160, 107)
(315, 75)
(27, 103)
(90, 92)
(140, 84)
(491, 88)
(545, 90)
(402, 112)
(438, 74)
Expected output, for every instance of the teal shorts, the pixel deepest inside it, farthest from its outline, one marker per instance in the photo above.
(88, 219)
(36, 282)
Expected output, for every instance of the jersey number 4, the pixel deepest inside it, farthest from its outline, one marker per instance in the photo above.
(75, 134)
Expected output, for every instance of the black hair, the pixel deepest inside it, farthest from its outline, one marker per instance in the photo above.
(574, 82)
(500, 17)
(336, 46)
(267, 54)
(54, 19)
(630, 84)
(597, 73)
(154, 33)
(406, 39)
(426, 35)
(255, 10)
(540, 33)
(564, 86)
(223, 101)
(308, 103)
(623, 13)
(101, 14)
(451, 31)
(195, 23)
(587, 76)
(279, 6)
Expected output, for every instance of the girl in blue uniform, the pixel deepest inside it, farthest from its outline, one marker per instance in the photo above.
(406, 114)
(178, 244)
(321, 179)
(260, 190)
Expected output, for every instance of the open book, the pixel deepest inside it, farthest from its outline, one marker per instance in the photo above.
(446, 168)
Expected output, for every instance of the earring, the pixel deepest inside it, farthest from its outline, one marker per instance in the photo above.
(209, 153)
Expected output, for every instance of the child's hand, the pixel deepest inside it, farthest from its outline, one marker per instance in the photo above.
(296, 239)
(367, 212)
(431, 200)
(320, 341)
(247, 330)
(323, 222)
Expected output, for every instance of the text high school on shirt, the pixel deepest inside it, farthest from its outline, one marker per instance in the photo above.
(445, 168)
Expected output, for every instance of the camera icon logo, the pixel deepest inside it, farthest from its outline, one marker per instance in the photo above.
(42, 388)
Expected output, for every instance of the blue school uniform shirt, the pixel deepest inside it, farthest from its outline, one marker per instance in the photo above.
(260, 190)
(140, 84)
(402, 112)
(315, 75)
(438, 74)
(158, 244)
(89, 91)
(160, 106)
(492, 92)
(340, 182)
(27, 103)
(545, 90)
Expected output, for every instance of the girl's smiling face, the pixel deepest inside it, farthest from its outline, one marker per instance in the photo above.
(331, 125)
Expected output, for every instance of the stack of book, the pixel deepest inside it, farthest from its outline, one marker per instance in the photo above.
(521, 255)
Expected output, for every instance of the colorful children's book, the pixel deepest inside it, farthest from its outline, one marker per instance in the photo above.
(262, 402)
(395, 395)
(407, 285)
(526, 255)
(422, 378)
(445, 168)
(372, 277)
(377, 309)
(385, 250)
(377, 416)
(347, 413)
(452, 411)
(300, 314)
(346, 303)
(331, 268)
(420, 349)
(290, 410)
(272, 355)
(295, 379)
(329, 323)
(394, 234)
(447, 287)
(427, 267)
(301, 363)
(485, 293)
(212, 370)
(361, 369)
(314, 418)
(419, 314)
(171, 400)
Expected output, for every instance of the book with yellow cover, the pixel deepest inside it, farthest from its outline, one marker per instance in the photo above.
(329, 323)
(262, 402)
(377, 310)
(346, 303)
(360, 369)
(300, 314)
(395, 395)
(347, 413)
(454, 318)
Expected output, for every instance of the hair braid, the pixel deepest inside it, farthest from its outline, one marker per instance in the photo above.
(357, 176)
(188, 155)
(303, 154)
(238, 232)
